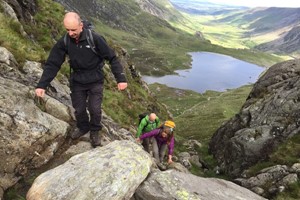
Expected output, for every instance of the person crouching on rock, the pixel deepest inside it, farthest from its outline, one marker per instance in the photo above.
(163, 138)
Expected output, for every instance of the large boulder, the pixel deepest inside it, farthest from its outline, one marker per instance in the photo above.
(110, 172)
(268, 118)
(23, 9)
(172, 184)
(29, 136)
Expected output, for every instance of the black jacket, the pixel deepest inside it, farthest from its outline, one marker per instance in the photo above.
(82, 58)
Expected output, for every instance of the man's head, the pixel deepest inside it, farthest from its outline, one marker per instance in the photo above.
(73, 24)
(152, 117)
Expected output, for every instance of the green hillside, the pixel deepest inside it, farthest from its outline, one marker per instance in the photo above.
(205, 112)
(245, 28)
(43, 34)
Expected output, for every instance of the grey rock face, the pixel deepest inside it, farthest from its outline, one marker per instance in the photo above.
(269, 116)
(173, 184)
(26, 132)
(110, 172)
(24, 9)
(32, 130)
(280, 176)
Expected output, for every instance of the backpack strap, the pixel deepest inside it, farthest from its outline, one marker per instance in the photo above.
(66, 42)
(89, 37)
(90, 40)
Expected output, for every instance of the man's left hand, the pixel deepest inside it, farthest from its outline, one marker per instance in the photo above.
(122, 86)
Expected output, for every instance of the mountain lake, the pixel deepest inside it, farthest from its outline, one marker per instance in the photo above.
(211, 71)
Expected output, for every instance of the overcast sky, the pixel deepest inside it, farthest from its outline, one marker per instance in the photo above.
(261, 3)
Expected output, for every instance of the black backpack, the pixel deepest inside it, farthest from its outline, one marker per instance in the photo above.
(89, 35)
(142, 116)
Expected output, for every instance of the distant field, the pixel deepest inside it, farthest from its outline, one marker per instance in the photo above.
(225, 35)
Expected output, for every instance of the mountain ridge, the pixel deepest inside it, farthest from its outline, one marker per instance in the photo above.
(271, 28)
(204, 7)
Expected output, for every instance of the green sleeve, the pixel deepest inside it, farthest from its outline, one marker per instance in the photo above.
(141, 127)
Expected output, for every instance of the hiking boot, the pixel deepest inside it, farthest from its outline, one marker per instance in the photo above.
(77, 134)
(161, 166)
(95, 139)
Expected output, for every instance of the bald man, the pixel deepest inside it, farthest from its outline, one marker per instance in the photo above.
(86, 78)
(147, 124)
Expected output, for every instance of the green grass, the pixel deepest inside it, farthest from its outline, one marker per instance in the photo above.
(287, 153)
(292, 192)
(47, 26)
(48, 23)
(125, 106)
(199, 115)
(177, 100)
(12, 39)
(162, 51)
(226, 35)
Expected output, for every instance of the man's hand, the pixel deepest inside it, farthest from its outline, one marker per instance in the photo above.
(122, 86)
(40, 92)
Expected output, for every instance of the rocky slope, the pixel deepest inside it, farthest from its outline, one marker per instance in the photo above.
(289, 42)
(33, 130)
(123, 170)
(269, 118)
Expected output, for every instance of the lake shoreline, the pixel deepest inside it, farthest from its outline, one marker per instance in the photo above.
(211, 71)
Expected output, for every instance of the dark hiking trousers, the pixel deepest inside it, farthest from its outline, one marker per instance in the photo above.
(87, 96)
(159, 152)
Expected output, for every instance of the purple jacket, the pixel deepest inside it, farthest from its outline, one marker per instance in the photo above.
(160, 140)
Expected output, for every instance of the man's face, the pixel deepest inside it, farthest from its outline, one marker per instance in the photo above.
(73, 28)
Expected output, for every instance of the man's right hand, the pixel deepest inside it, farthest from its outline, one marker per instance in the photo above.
(40, 92)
